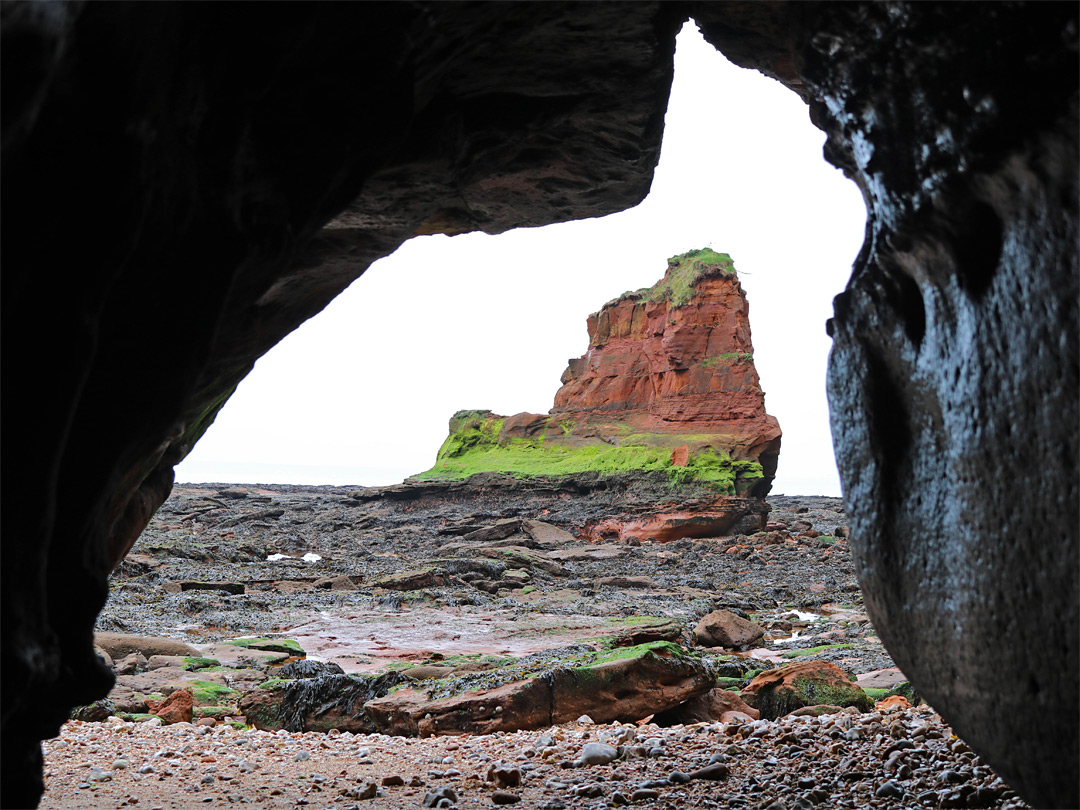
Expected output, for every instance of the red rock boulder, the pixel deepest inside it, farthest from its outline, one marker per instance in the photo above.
(804, 683)
(179, 707)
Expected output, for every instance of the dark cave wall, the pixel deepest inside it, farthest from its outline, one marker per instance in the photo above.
(187, 183)
(953, 378)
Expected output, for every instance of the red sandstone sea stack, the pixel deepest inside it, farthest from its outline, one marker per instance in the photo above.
(668, 383)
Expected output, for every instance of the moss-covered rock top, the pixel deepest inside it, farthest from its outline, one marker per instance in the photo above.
(685, 271)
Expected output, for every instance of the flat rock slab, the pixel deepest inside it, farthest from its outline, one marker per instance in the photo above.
(231, 655)
(598, 553)
(881, 678)
(120, 645)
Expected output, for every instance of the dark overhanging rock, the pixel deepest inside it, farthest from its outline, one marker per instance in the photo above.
(188, 183)
(953, 378)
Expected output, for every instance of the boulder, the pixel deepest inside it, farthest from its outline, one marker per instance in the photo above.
(134, 663)
(178, 707)
(497, 531)
(546, 535)
(103, 655)
(510, 707)
(722, 628)
(630, 684)
(94, 712)
(522, 557)
(316, 704)
(804, 683)
(596, 553)
(714, 705)
(127, 701)
(626, 685)
(414, 580)
(339, 583)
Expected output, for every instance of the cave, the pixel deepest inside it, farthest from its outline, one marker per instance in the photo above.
(186, 183)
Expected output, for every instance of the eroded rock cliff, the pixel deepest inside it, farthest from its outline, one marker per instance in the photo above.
(668, 383)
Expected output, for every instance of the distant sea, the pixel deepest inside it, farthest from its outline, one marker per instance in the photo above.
(238, 472)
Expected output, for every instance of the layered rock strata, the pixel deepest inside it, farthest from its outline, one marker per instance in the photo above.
(668, 384)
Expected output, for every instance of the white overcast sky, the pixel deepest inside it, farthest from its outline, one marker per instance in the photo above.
(361, 394)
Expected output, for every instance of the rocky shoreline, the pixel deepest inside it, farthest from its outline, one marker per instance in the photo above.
(437, 593)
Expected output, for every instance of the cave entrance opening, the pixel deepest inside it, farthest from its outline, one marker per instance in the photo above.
(362, 393)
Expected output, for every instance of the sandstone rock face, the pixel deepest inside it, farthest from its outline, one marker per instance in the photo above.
(804, 683)
(953, 384)
(668, 384)
(675, 359)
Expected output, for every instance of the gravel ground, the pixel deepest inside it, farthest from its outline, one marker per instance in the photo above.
(906, 758)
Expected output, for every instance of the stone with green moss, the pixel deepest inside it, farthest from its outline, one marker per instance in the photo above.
(193, 663)
(282, 645)
(780, 691)
(207, 693)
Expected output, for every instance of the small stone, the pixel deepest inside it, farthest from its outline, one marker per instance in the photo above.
(889, 790)
(678, 778)
(393, 780)
(367, 790)
(440, 794)
(597, 754)
(644, 794)
(120, 764)
(207, 780)
(716, 770)
(146, 769)
(301, 756)
(505, 797)
(585, 720)
(506, 777)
